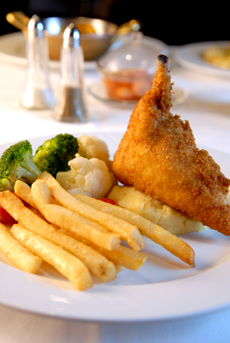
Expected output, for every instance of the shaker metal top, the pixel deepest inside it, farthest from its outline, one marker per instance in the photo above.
(35, 27)
(71, 37)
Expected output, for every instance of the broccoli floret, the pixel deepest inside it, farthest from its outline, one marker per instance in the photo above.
(16, 163)
(55, 153)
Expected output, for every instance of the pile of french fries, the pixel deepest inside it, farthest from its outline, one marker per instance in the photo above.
(78, 235)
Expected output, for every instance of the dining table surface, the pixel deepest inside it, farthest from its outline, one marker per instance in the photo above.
(205, 103)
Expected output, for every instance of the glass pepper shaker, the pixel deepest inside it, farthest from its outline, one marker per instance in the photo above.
(71, 106)
(38, 94)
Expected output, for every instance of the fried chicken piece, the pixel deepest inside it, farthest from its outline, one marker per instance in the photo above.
(158, 156)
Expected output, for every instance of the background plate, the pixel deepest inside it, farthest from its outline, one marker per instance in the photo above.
(13, 49)
(189, 56)
(164, 288)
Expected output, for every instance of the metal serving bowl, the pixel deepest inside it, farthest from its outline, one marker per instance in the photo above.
(94, 44)
(96, 34)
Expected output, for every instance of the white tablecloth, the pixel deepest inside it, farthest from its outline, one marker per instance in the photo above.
(207, 107)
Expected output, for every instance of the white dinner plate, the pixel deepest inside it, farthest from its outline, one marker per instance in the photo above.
(13, 49)
(163, 288)
(189, 56)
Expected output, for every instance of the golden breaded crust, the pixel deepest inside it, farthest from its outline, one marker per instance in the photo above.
(158, 156)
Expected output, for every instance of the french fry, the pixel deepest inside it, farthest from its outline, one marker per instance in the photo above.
(23, 190)
(122, 255)
(95, 262)
(70, 220)
(98, 264)
(17, 253)
(156, 233)
(67, 264)
(128, 232)
(119, 268)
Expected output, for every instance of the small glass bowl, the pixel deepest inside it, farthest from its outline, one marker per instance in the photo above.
(127, 72)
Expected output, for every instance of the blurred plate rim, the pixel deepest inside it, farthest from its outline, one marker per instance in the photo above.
(12, 49)
(189, 57)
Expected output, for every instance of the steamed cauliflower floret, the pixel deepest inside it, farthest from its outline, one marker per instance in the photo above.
(93, 147)
(86, 176)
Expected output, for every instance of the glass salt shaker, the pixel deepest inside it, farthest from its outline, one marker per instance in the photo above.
(71, 106)
(38, 94)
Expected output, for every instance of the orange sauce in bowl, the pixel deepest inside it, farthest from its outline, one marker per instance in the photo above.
(127, 84)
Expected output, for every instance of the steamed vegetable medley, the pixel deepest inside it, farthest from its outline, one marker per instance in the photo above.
(80, 165)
